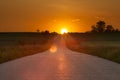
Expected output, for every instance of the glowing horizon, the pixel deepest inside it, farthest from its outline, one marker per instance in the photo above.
(79, 15)
(64, 30)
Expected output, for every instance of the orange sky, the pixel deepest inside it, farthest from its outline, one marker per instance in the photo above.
(52, 15)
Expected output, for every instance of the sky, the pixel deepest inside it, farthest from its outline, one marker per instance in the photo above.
(53, 15)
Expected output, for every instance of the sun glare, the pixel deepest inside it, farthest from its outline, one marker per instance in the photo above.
(64, 30)
(53, 49)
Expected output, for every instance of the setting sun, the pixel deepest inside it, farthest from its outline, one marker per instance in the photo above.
(64, 30)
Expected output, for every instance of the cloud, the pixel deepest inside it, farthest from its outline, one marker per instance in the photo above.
(76, 20)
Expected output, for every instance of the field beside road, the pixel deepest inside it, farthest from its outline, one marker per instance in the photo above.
(102, 45)
(17, 45)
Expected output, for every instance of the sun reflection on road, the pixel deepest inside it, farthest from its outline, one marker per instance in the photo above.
(61, 63)
(62, 67)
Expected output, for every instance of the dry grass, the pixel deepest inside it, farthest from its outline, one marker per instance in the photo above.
(8, 53)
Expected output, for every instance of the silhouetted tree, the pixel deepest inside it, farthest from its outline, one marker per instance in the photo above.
(100, 26)
(46, 32)
(94, 29)
(38, 30)
(109, 28)
(116, 30)
(54, 33)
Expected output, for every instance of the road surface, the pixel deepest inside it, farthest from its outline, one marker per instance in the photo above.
(59, 63)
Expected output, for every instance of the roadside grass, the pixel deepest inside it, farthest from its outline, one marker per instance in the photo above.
(102, 48)
(14, 46)
(8, 53)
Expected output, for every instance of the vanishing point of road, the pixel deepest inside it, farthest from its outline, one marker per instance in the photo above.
(59, 63)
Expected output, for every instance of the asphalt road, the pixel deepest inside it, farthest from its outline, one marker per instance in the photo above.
(59, 63)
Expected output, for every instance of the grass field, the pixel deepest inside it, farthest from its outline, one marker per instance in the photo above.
(17, 45)
(102, 45)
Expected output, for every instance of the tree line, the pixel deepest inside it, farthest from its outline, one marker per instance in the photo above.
(101, 27)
